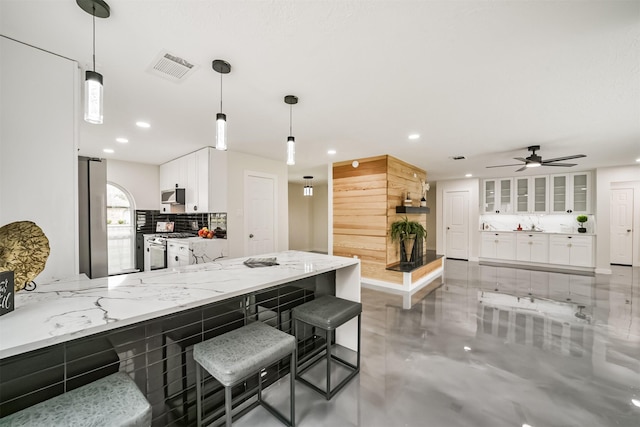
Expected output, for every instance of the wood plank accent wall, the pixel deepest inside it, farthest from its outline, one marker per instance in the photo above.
(364, 204)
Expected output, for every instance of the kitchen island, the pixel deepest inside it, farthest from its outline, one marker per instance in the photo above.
(132, 315)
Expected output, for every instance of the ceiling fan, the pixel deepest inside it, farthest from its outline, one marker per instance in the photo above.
(535, 160)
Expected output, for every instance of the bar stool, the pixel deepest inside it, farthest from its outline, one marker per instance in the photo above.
(233, 357)
(185, 331)
(114, 400)
(282, 300)
(327, 313)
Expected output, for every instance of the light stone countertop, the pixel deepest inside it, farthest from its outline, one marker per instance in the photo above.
(537, 232)
(78, 307)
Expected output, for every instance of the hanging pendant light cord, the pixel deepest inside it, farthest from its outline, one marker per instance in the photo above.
(94, 38)
(290, 119)
(221, 92)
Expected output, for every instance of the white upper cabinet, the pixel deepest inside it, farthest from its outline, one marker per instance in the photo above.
(203, 175)
(531, 194)
(498, 195)
(208, 183)
(571, 193)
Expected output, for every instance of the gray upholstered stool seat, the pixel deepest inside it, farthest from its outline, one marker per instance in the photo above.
(114, 400)
(327, 313)
(233, 357)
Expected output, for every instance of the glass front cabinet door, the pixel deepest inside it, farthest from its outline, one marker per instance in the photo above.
(532, 194)
(498, 196)
(571, 193)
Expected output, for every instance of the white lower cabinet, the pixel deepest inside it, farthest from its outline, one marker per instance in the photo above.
(532, 247)
(177, 254)
(499, 245)
(195, 250)
(571, 250)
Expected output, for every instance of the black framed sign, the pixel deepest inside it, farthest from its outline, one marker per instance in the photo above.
(6, 292)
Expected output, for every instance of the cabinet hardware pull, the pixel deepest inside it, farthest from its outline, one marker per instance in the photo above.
(176, 258)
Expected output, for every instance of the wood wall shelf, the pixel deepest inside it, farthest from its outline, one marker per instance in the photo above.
(412, 209)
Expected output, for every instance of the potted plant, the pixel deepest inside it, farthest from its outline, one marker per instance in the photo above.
(581, 220)
(406, 232)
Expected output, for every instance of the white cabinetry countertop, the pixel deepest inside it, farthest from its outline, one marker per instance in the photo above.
(78, 307)
(536, 232)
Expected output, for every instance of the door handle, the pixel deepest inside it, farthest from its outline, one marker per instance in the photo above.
(448, 228)
(251, 236)
(628, 231)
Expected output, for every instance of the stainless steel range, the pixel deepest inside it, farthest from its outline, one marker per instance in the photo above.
(155, 246)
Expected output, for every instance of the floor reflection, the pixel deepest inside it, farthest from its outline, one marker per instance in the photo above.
(494, 346)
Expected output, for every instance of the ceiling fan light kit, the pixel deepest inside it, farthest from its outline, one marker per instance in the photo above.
(534, 160)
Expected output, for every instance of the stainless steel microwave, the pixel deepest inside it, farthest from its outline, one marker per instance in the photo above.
(175, 196)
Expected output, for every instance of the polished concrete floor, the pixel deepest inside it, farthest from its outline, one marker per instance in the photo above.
(491, 346)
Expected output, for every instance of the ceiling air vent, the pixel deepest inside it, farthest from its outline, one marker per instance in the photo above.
(172, 67)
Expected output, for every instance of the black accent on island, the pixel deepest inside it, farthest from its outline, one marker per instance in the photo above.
(407, 267)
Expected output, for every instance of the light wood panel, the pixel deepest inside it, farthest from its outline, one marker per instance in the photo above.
(364, 202)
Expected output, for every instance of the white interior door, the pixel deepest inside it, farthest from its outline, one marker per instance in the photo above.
(260, 203)
(456, 218)
(621, 226)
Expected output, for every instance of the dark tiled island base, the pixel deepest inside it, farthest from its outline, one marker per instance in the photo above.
(157, 353)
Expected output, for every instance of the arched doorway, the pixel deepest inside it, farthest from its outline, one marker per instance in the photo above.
(121, 234)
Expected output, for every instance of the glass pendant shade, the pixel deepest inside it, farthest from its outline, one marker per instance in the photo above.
(308, 186)
(291, 150)
(93, 97)
(221, 131)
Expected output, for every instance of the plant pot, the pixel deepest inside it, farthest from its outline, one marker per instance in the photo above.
(582, 230)
(408, 242)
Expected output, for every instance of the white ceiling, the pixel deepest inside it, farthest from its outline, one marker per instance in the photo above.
(482, 79)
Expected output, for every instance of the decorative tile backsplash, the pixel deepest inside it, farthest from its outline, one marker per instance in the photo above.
(548, 223)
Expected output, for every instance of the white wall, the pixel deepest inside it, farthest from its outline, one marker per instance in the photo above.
(308, 217)
(320, 217)
(238, 163)
(607, 178)
(300, 219)
(141, 180)
(473, 187)
(38, 149)
(432, 229)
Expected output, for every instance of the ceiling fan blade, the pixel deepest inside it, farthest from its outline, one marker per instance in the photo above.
(522, 159)
(501, 166)
(559, 164)
(521, 169)
(559, 159)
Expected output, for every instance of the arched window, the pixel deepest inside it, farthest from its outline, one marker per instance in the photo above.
(121, 235)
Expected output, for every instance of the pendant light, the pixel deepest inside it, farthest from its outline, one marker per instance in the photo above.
(93, 80)
(291, 141)
(222, 67)
(308, 186)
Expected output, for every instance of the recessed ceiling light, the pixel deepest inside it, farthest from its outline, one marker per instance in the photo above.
(636, 402)
(638, 159)
(332, 152)
(108, 150)
(467, 348)
(143, 125)
(122, 140)
(414, 136)
(469, 175)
